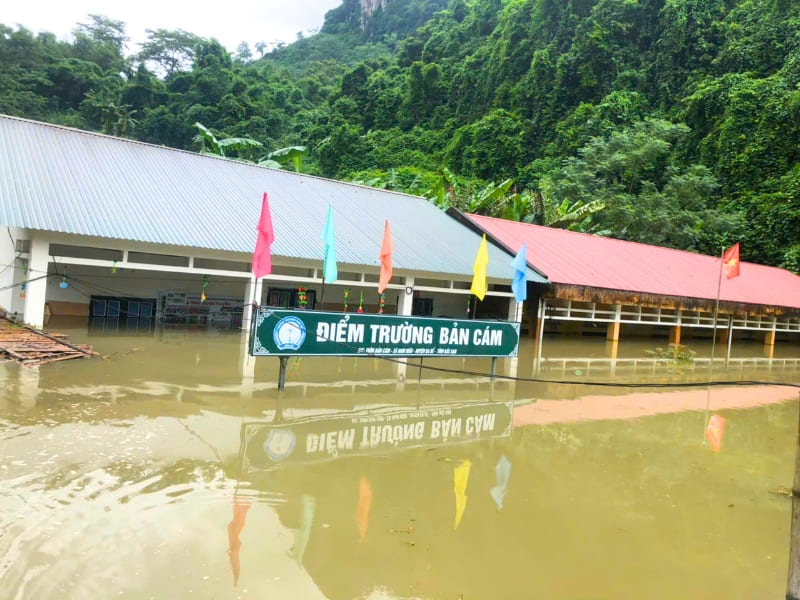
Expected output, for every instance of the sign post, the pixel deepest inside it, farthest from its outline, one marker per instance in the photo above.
(283, 333)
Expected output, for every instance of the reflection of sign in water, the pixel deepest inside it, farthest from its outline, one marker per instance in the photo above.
(361, 433)
(287, 332)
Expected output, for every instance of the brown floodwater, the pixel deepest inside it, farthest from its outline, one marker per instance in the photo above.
(156, 470)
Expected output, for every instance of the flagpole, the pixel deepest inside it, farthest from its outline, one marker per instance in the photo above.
(713, 339)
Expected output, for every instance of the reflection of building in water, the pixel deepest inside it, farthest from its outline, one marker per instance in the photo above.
(616, 289)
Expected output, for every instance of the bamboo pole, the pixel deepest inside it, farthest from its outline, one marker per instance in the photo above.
(793, 583)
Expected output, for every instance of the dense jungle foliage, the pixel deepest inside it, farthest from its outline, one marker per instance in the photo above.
(671, 122)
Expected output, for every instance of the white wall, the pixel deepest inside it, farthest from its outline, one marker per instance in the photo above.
(12, 270)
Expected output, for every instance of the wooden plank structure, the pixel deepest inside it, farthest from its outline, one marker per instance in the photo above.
(30, 346)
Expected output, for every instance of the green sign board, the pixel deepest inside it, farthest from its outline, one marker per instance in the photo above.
(267, 445)
(278, 332)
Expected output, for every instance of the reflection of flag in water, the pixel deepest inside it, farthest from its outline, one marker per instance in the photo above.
(503, 472)
(304, 533)
(362, 509)
(234, 529)
(714, 431)
(460, 479)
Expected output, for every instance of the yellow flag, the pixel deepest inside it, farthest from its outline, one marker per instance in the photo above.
(460, 479)
(479, 285)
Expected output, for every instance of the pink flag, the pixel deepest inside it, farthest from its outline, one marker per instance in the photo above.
(262, 259)
(387, 249)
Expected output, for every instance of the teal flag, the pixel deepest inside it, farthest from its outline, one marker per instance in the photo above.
(519, 280)
(329, 271)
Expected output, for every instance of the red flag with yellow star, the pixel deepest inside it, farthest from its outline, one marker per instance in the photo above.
(730, 261)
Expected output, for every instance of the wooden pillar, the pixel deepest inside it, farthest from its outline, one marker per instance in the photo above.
(793, 583)
(769, 337)
(730, 340)
(612, 333)
(540, 333)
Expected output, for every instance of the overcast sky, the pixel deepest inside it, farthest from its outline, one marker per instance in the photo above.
(231, 22)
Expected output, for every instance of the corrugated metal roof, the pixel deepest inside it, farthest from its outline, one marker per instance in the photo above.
(572, 258)
(60, 179)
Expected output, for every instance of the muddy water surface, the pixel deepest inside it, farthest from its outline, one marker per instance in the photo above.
(158, 471)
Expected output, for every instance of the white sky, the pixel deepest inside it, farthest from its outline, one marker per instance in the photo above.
(231, 22)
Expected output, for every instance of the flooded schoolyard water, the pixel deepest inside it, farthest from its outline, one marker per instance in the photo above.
(157, 471)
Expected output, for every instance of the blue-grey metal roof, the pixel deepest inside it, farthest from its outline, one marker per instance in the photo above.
(59, 179)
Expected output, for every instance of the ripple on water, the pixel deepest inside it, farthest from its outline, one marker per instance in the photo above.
(75, 520)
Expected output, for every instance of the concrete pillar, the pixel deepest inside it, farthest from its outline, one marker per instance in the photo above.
(514, 311)
(612, 333)
(7, 269)
(405, 303)
(36, 291)
(247, 363)
(252, 293)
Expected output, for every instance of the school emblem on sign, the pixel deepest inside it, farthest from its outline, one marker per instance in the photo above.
(289, 333)
(279, 444)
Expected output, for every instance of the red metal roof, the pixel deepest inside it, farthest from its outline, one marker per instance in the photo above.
(574, 258)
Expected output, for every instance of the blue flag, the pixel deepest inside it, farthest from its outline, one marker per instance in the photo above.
(329, 270)
(519, 281)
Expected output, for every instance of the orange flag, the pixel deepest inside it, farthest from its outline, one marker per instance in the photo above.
(387, 249)
(730, 261)
(362, 509)
(234, 529)
(714, 431)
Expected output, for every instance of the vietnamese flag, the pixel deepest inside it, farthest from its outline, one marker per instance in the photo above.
(387, 249)
(262, 259)
(730, 261)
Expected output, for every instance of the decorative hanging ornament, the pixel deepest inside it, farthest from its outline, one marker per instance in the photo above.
(361, 303)
(205, 285)
(113, 267)
(346, 296)
(381, 303)
(469, 299)
(302, 297)
(63, 285)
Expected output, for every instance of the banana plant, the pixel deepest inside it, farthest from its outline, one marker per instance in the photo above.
(280, 157)
(210, 144)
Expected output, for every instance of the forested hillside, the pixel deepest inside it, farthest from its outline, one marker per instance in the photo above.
(672, 122)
